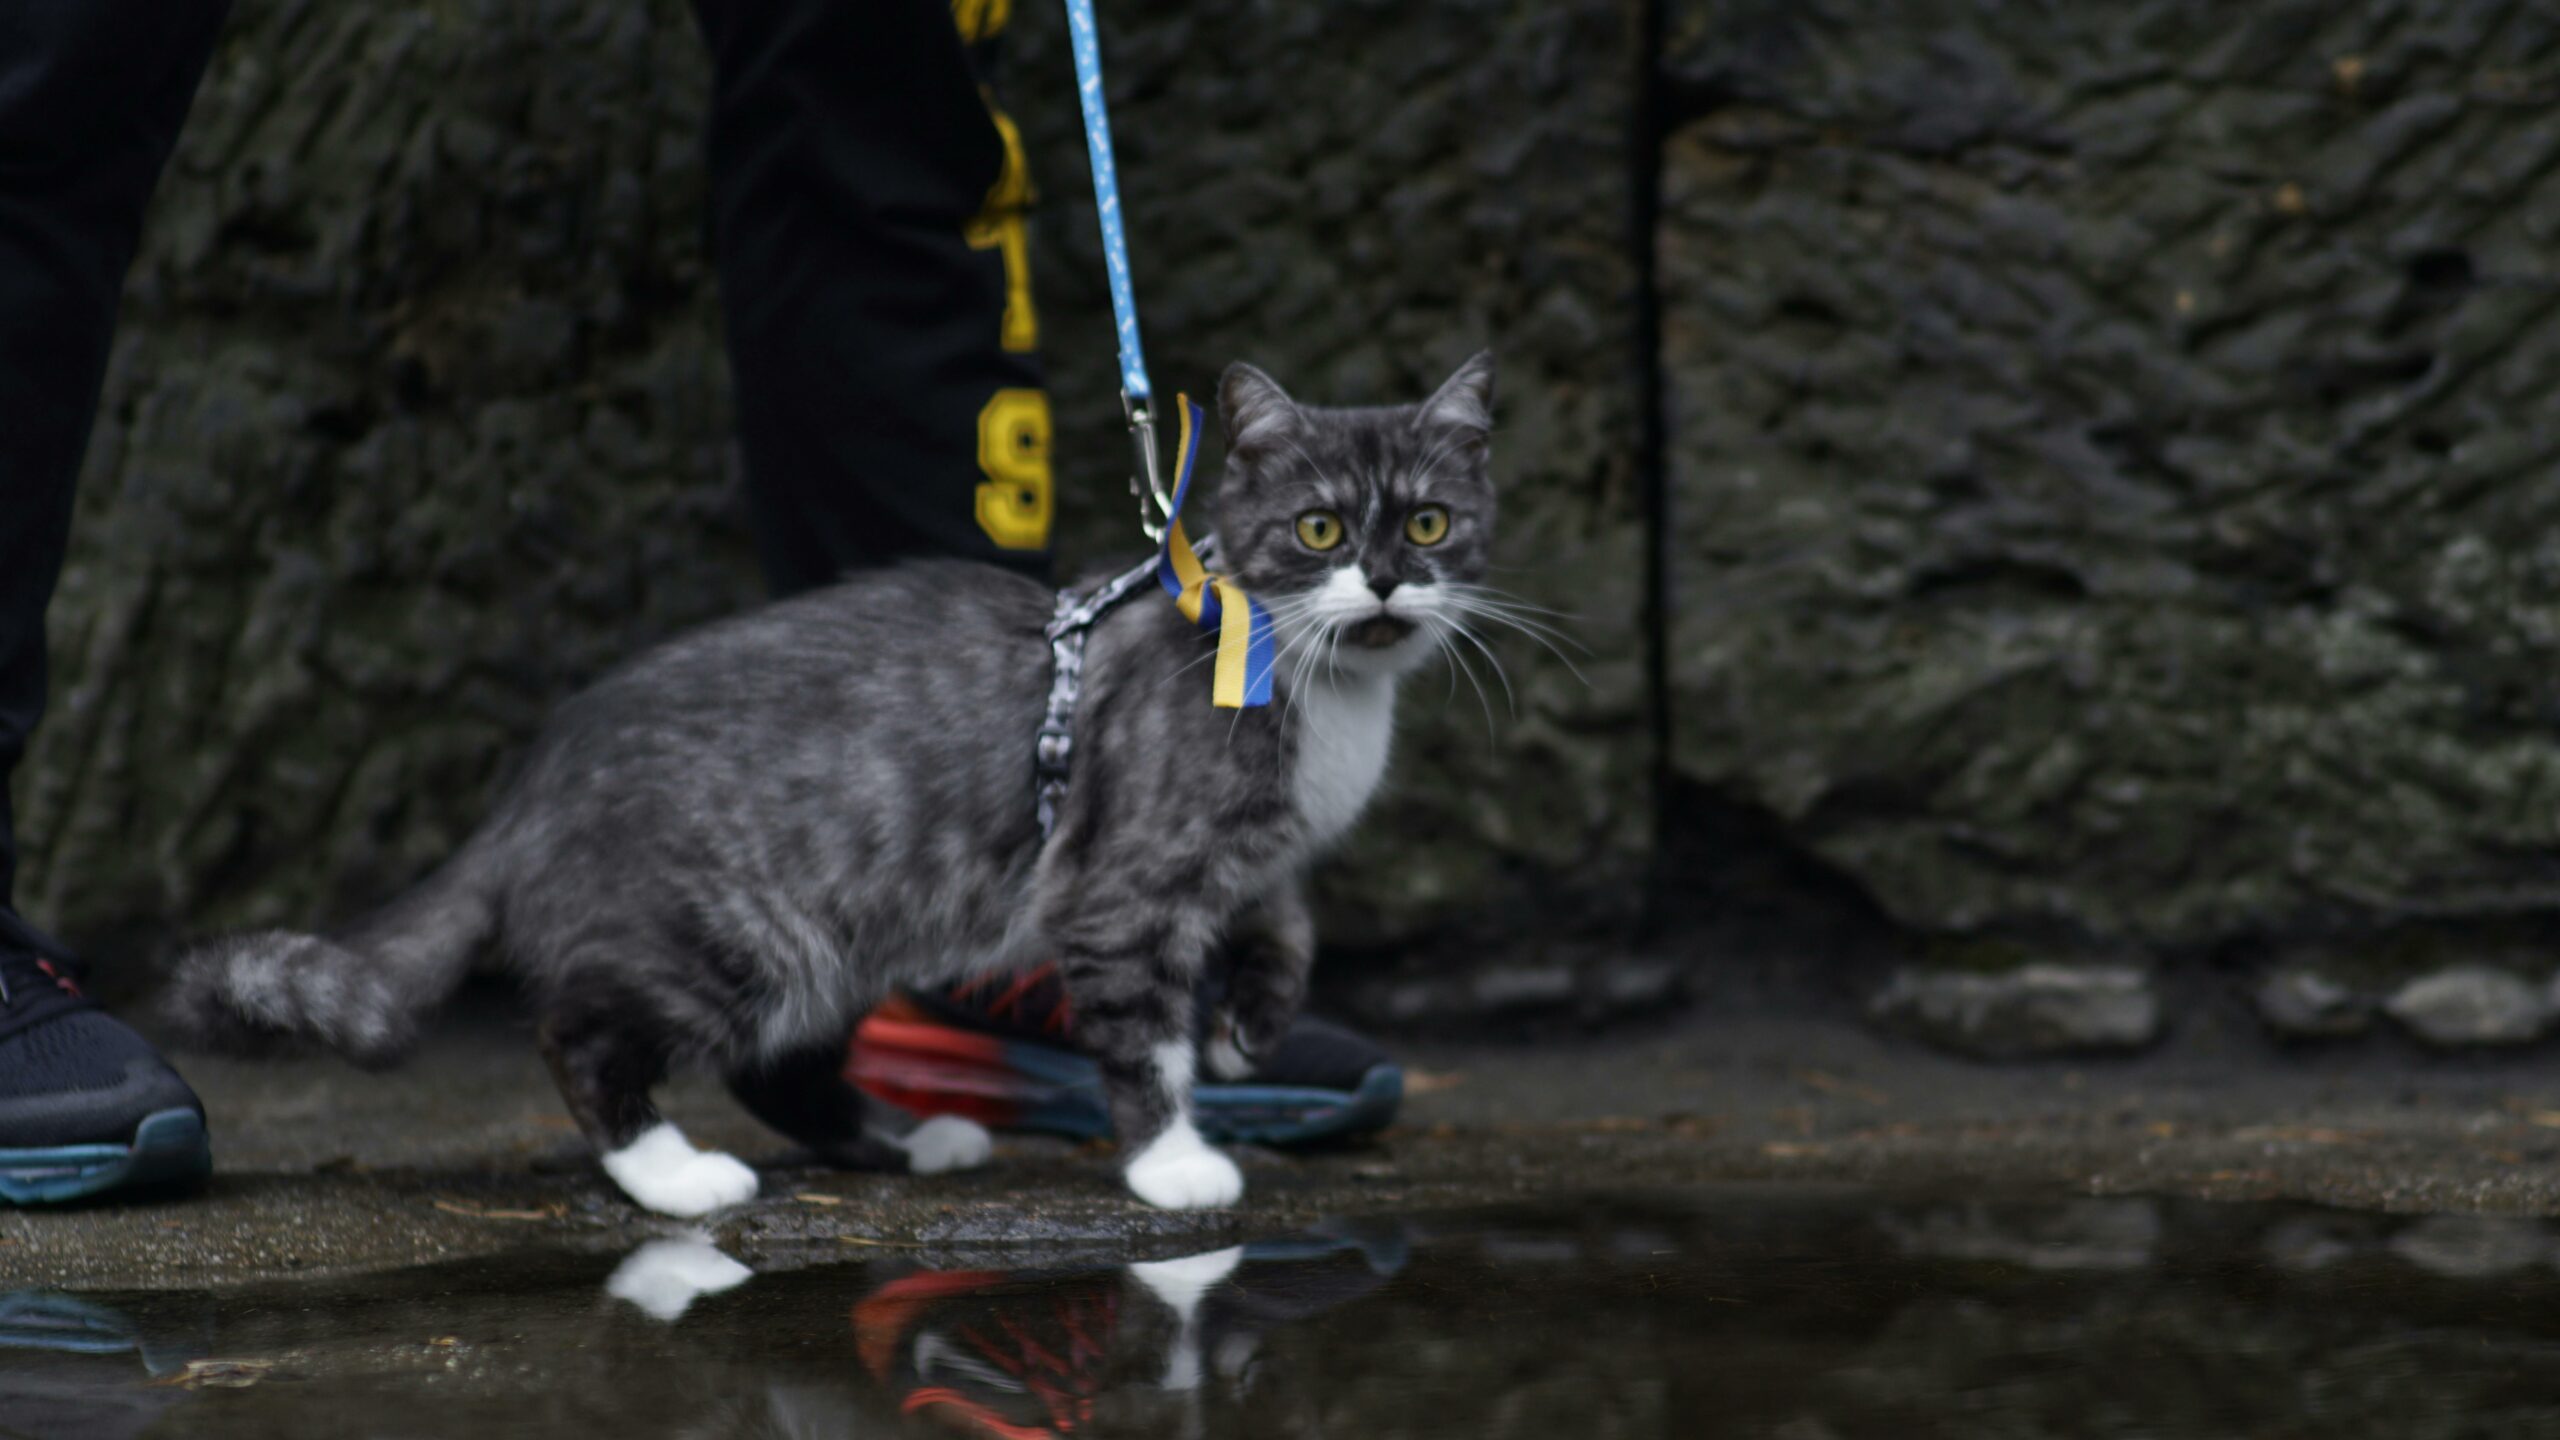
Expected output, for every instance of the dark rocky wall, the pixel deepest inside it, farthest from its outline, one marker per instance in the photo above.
(2111, 479)
(2115, 456)
(418, 417)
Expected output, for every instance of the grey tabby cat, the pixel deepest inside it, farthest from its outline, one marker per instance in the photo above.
(731, 847)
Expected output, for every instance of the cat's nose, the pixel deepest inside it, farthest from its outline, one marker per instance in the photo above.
(1384, 585)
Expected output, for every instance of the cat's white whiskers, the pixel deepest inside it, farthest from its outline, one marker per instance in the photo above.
(1544, 635)
(1459, 666)
(1519, 612)
(1317, 640)
(1308, 640)
(1510, 700)
(1505, 598)
(1523, 622)
(1187, 667)
(1531, 628)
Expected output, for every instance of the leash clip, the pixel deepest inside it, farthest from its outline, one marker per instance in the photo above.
(1146, 481)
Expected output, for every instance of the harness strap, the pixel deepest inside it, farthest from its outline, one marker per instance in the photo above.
(1070, 624)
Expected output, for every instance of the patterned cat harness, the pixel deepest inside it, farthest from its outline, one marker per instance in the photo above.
(1247, 652)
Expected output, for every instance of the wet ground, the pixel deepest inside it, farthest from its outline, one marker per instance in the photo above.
(323, 1170)
(1762, 1310)
(1750, 1221)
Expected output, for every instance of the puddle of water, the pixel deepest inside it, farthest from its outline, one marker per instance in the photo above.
(1788, 1315)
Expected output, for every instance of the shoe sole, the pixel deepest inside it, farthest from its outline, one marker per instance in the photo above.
(169, 1148)
(1017, 1085)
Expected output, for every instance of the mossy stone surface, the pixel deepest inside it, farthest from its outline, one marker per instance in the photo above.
(2115, 476)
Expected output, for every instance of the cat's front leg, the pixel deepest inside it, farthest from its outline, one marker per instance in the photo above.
(1129, 969)
(1271, 947)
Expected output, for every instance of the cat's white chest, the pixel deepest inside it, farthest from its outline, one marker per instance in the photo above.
(1344, 731)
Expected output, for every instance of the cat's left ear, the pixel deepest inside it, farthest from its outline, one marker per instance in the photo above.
(1464, 401)
(1253, 409)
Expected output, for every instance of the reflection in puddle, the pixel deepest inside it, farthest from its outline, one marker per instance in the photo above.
(2075, 1235)
(1744, 1312)
(665, 1277)
(1020, 1353)
(70, 1367)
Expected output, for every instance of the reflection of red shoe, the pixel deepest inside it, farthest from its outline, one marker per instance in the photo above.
(982, 1354)
(1024, 1355)
(1001, 1052)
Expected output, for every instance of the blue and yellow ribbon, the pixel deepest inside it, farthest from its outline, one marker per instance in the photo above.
(1247, 653)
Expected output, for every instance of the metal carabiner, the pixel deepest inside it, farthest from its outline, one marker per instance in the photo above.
(1146, 481)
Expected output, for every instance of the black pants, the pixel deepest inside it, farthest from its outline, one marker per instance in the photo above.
(867, 222)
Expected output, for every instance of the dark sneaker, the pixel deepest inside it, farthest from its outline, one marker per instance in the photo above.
(1001, 1052)
(86, 1105)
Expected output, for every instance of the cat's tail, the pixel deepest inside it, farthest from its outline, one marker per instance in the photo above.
(362, 991)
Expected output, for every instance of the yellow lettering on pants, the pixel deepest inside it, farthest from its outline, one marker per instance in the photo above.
(1013, 451)
(1000, 226)
(980, 19)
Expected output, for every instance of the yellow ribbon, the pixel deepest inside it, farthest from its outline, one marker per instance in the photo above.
(1235, 610)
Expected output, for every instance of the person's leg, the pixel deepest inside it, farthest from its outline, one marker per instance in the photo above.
(867, 219)
(92, 93)
(869, 205)
(91, 96)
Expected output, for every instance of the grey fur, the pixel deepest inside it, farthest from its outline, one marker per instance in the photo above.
(731, 847)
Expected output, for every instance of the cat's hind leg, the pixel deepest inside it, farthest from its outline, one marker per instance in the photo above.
(606, 1058)
(804, 1095)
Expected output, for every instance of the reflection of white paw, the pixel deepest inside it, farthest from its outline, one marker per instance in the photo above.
(1180, 1172)
(663, 1277)
(946, 1142)
(663, 1172)
(1181, 1283)
(1226, 1061)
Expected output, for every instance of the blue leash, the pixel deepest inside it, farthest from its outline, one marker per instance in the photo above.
(1136, 393)
(1247, 645)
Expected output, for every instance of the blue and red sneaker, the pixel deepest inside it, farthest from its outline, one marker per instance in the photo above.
(1002, 1052)
(86, 1105)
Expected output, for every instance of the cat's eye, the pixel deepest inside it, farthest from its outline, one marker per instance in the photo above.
(1319, 529)
(1427, 526)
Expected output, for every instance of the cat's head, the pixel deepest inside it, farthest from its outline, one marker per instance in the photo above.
(1360, 529)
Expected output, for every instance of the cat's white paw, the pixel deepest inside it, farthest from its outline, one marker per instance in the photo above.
(665, 1277)
(1180, 1172)
(662, 1171)
(947, 1142)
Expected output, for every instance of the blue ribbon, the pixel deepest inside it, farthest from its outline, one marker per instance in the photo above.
(1249, 653)
(1106, 196)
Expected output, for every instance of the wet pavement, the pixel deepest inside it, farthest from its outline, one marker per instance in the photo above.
(1762, 1310)
(1748, 1222)
(323, 1170)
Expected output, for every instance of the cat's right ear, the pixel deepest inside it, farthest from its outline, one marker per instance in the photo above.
(1253, 409)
